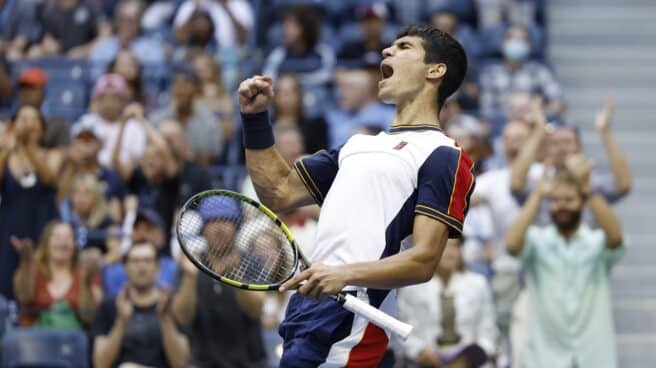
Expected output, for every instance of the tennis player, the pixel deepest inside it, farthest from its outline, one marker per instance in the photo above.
(375, 192)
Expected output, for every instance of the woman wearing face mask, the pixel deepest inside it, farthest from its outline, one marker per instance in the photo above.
(28, 176)
(455, 308)
(87, 211)
(53, 289)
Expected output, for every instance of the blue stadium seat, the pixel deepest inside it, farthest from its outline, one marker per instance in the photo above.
(57, 69)
(45, 348)
(4, 314)
(66, 99)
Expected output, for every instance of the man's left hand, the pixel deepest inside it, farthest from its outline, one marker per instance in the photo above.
(320, 281)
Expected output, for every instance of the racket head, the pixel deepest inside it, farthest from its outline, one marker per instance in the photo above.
(236, 240)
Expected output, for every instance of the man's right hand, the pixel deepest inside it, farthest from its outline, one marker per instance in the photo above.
(255, 94)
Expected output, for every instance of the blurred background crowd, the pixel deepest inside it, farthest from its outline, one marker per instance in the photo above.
(114, 112)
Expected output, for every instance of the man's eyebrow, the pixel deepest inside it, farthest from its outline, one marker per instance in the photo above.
(402, 43)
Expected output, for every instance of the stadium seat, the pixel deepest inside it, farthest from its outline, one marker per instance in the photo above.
(4, 314)
(66, 99)
(45, 348)
(57, 69)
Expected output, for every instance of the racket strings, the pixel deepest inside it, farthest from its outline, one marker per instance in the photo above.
(236, 240)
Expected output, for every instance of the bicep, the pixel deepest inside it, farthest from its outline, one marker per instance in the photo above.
(429, 238)
(298, 195)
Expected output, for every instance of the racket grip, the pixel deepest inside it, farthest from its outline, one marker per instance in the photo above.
(375, 315)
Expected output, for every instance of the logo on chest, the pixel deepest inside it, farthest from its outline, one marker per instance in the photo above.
(400, 146)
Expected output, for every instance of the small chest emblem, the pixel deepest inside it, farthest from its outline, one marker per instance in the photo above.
(400, 146)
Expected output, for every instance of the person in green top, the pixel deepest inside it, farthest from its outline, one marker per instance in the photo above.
(567, 268)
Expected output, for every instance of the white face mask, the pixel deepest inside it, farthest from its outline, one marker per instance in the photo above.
(515, 50)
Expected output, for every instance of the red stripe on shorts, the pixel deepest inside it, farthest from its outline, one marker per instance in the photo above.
(370, 350)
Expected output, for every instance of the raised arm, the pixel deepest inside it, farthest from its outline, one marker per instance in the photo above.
(183, 306)
(176, 344)
(277, 185)
(7, 144)
(517, 231)
(24, 276)
(529, 152)
(601, 210)
(618, 163)
(106, 348)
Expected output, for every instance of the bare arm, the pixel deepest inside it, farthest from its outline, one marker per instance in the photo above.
(277, 185)
(107, 347)
(24, 276)
(90, 297)
(607, 220)
(242, 32)
(183, 305)
(251, 302)
(125, 170)
(176, 345)
(46, 166)
(517, 231)
(618, 162)
(5, 152)
(413, 266)
(529, 152)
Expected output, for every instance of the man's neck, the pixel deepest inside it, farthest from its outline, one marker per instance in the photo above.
(421, 110)
(91, 166)
(143, 297)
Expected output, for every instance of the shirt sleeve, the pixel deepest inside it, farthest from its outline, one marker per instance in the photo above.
(318, 172)
(610, 256)
(603, 182)
(445, 183)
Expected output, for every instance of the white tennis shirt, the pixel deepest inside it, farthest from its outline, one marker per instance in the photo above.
(371, 188)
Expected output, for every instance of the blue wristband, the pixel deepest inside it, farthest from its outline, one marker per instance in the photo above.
(258, 133)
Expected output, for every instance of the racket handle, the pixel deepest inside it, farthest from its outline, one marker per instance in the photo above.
(375, 315)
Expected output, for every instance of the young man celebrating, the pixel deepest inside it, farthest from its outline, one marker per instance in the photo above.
(375, 191)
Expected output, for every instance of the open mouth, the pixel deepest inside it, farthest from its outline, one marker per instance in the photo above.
(386, 71)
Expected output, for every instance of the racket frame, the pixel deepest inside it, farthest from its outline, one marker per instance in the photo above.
(348, 301)
(263, 209)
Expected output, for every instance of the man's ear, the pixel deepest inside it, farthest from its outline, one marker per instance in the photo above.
(436, 71)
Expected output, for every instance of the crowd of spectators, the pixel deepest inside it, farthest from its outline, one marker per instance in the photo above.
(114, 112)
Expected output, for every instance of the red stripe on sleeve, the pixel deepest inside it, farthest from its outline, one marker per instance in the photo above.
(462, 184)
(370, 350)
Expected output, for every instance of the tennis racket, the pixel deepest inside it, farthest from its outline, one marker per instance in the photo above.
(242, 243)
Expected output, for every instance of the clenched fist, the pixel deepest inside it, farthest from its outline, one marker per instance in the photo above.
(255, 94)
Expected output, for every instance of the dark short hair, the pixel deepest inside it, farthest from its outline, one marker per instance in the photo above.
(308, 19)
(440, 47)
